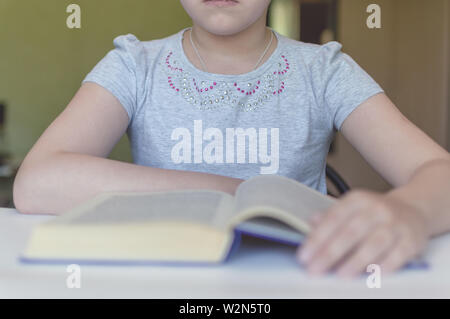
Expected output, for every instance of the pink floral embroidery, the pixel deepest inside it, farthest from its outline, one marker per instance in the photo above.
(212, 94)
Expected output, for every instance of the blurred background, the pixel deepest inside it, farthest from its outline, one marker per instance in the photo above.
(42, 62)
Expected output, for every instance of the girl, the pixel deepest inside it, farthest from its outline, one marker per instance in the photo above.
(187, 99)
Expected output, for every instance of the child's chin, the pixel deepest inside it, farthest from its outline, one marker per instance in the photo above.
(226, 28)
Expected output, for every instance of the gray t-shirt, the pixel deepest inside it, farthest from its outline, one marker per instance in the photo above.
(278, 119)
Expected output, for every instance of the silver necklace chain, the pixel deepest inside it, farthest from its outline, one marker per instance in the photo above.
(203, 63)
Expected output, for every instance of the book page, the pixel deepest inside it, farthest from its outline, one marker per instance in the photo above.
(193, 206)
(279, 197)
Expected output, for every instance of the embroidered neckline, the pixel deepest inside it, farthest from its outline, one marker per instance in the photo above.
(208, 91)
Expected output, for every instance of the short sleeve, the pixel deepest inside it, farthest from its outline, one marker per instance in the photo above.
(340, 84)
(116, 72)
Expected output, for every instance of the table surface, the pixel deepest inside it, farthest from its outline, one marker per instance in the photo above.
(259, 269)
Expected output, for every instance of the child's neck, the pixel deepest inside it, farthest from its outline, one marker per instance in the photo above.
(236, 54)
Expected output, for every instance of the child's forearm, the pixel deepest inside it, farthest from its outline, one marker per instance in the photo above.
(429, 190)
(64, 180)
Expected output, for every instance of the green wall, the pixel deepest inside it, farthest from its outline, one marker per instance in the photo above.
(42, 62)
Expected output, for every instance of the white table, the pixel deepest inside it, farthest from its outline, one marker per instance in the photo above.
(258, 270)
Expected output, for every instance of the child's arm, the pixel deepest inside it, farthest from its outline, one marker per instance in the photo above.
(392, 228)
(67, 164)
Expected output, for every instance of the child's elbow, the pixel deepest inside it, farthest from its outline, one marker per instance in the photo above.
(22, 195)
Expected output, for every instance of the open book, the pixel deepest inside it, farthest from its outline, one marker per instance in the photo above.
(177, 226)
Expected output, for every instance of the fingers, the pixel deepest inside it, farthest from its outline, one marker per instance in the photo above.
(371, 251)
(330, 223)
(315, 219)
(400, 254)
(348, 238)
(360, 229)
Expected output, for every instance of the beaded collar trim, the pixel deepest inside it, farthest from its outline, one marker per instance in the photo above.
(207, 94)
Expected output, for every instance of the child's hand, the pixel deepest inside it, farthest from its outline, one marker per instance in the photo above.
(364, 228)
